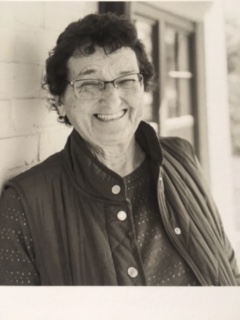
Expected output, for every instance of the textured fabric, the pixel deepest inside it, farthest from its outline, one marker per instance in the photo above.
(78, 238)
(162, 264)
(16, 250)
(203, 239)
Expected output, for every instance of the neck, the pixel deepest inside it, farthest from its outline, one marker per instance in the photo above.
(122, 159)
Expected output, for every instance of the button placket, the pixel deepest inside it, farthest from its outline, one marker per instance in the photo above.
(128, 267)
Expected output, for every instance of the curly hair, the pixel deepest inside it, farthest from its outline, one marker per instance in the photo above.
(108, 31)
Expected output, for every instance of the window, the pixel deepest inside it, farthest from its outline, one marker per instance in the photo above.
(170, 44)
(179, 75)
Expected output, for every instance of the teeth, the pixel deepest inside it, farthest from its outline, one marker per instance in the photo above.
(110, 117)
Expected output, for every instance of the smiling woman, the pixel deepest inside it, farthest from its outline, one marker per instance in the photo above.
(117, 206)
(106, 118)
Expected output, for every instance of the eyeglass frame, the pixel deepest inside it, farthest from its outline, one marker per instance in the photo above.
(140, 78)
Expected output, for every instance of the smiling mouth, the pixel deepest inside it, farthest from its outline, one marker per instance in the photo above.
(110, 117)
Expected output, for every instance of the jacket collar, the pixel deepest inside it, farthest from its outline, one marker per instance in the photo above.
(91, 176)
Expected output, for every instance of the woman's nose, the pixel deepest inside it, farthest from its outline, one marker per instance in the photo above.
(110, 93)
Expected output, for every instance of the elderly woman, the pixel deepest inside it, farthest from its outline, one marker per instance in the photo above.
(116, 206)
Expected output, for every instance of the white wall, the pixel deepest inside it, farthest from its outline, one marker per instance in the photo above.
(29, 132)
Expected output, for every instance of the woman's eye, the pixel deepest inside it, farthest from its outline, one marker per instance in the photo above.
(126, 82)
(87, 84)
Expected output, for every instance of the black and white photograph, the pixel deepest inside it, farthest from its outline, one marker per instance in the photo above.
(120, 159)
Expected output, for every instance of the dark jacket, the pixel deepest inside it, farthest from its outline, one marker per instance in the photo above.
(72, 214)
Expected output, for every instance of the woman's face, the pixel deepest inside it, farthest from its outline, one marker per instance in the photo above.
(112, 118)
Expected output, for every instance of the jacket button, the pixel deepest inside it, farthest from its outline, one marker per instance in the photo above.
(177, 230)
(116, 189)
(132, 272)
(121, 215)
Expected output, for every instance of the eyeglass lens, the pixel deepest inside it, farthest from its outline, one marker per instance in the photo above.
(93, 88)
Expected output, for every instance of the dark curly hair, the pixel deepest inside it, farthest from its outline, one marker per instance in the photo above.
(107, 31)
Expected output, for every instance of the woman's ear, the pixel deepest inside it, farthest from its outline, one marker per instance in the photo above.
(60, 106)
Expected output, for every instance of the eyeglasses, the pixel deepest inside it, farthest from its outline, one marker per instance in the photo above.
(87, 89)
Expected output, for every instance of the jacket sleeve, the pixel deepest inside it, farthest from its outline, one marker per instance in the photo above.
(16, 251)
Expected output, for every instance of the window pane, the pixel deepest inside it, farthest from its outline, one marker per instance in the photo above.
(171, 49)
(183, 52)
(185, 101)
(146, 34)
(172, 97)
(178, 84)
(145, 30)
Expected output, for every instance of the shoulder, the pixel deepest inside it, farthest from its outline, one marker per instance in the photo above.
(176, 142)
(179, 148)
(50, 168)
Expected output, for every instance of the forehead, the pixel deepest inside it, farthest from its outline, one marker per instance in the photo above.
(99, 63)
